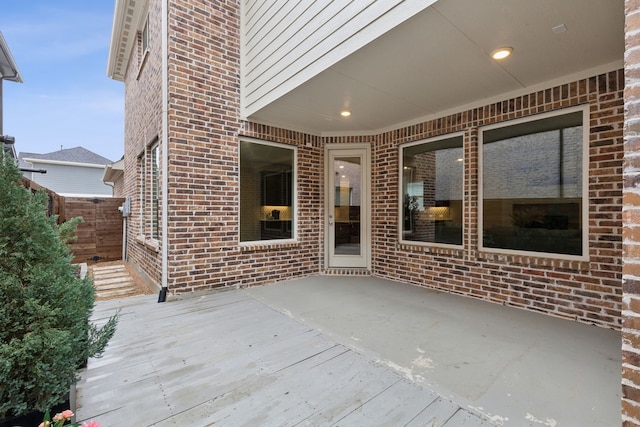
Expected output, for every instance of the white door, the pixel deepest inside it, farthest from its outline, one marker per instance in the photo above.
(347, 206)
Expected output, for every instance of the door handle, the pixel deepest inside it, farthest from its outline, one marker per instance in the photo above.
(330, 219)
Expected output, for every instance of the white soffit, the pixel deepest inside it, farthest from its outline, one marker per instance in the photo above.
(439, 60)
(127, 18)
(8, 68)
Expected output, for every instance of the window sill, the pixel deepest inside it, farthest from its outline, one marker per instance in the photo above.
(543, 259)
(148, 243)
(435, 248)
(268, 245)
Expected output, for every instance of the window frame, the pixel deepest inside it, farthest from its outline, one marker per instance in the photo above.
(154, 183)
(150, 191)
(584, 213)
(143, 195)
(144, 36)
(400, 215)
(294, 194)
(142, 43)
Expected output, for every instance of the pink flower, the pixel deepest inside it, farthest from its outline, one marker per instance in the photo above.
(64, 415)
(45, 424)
(91, 423)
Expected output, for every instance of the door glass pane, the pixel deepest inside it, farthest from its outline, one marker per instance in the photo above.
(347, 179)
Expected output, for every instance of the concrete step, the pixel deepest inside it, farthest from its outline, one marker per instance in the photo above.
(110, 273)
(100, 282)
(115, 280)
(114, 293)
(109, 269)
(126, 284)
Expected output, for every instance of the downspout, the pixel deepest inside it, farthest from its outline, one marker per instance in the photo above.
(165, 151)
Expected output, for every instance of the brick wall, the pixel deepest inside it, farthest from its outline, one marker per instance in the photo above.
(203, 134)
(142, 127)
(585, 291)
(203, 167)
(631, 217)
(204, 130)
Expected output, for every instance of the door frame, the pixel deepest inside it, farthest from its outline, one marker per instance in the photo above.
(348, 261)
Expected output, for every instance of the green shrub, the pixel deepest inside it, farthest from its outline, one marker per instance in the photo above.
(45, 333)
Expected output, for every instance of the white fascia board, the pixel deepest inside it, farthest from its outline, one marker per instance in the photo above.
(86, 196)
(60, 162)
(113, 171)
(7, 59)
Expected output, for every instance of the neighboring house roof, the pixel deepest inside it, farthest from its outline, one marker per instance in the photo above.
(68, 155)
(70, 172)
(8, 67)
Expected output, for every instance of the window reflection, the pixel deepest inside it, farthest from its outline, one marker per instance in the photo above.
(432, 180)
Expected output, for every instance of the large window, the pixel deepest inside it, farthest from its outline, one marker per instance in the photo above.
(431, 191)
(149, 164)
(532, 185)
(155, 191)
(267, 191)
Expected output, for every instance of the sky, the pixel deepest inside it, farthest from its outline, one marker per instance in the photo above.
(61, 48)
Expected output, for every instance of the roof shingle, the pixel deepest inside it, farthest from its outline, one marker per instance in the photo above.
(74, 155)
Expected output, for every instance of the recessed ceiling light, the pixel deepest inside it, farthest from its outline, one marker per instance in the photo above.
(458, 160)
(345, 113)
(502, 52)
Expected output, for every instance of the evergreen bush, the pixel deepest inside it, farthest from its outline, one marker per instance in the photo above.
(45, 332)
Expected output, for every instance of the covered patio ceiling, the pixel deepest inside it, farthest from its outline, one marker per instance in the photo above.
(439, 61)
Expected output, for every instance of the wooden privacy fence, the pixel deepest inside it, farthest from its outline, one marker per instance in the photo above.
(55, 202)
(100, 235)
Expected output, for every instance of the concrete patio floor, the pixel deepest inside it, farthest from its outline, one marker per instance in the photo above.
(348, 351)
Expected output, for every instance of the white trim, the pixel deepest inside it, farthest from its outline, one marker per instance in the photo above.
(164, 226)
(586, 130)
(357, 149)
(243, 58)
(86, 196)
(142, 171)
(64, 163)
(115, 168)
(5, 54)
(294, 194)
(401, 195)
(124, 33)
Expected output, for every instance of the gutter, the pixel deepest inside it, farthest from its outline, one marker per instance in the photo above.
(162, 297)
(63, 163)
